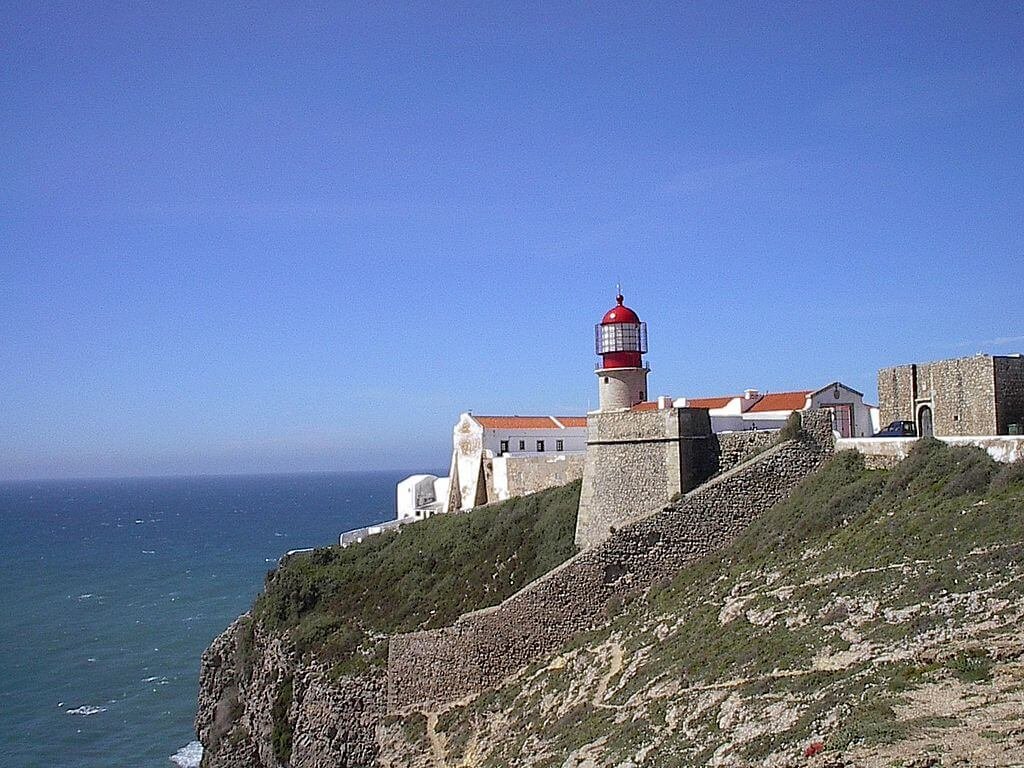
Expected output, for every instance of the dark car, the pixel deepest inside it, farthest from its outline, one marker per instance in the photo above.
(898, 429)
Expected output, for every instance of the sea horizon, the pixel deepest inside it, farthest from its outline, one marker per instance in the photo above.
(200, 475)
(114, 586)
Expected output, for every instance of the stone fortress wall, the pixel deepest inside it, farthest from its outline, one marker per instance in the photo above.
(508, 476)
(1009, 394)
(733, 448)
(484, 647)
(636, 462)
(969, 396)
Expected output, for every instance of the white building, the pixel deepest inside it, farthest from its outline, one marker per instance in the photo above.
(420, 496)
(852, 417)
(497, 457)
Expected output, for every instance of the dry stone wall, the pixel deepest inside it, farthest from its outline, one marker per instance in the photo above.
(736, 447)
(484, 647)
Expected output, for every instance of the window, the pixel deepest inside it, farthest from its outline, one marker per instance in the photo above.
(540, 446)
(522, 445)
(504, 446)
(641, 395)
(559, 445)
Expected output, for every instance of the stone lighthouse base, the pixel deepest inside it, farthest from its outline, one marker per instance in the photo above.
(636, 462)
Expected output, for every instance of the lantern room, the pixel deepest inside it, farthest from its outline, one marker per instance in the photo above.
(621, 341)
(620, 337)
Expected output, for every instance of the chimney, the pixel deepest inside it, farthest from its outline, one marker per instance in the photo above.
(749, 394)
(664, 401)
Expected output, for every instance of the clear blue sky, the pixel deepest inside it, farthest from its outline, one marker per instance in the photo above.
(259, 237)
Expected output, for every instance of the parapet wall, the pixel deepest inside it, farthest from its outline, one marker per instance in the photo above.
(484, 647)
(887, 452)
(520, 475)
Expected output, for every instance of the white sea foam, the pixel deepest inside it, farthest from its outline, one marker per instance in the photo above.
(189, 755)
(86, 709)
(149, 551)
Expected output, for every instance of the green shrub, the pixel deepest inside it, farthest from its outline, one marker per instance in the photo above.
(873, 722)
(793, 427)
(972, 666)
(971, 473)
(934, 467)
(1008, 476)
(281, 733)
(335, 599)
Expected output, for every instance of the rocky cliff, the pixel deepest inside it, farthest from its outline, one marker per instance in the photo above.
(262, 704)
(300, 679)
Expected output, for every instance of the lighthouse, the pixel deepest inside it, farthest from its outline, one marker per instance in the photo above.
(621, 343)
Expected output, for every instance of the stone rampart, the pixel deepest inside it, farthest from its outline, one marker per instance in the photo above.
(736, 447)
(1009, 375)
(636, 462)
(482, 648)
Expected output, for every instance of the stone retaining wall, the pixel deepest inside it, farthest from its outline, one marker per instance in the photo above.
(482, 648)
(736, 447)
(520, 475)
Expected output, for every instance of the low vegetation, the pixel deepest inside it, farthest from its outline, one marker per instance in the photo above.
(827, 626)
(340, 603)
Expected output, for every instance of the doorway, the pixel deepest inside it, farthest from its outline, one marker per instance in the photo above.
(842, 418)
(924, 421)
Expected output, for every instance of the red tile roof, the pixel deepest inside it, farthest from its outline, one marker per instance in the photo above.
(709, 402)
(572, 421)
(781, 401)
(649, 406)
(529, 422)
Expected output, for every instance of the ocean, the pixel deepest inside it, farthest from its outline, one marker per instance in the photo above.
(111, 589)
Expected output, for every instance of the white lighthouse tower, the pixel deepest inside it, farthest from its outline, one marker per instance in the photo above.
(621, 342)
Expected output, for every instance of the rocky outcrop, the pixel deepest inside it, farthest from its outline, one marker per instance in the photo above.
(262, 705)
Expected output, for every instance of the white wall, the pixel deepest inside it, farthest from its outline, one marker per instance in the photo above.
(468, 444)
(861, 422)
(414, 492)
(1001, 448)
(574, 440)
(441, 486)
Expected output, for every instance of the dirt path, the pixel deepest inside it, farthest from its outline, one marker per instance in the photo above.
(438, 749)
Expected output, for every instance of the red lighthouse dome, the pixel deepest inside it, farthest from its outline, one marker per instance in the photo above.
(620, 337)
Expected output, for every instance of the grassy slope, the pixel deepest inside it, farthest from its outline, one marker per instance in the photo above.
(814, 626)
(337, 599)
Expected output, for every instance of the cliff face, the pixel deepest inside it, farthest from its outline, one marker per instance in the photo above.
(260, 704)
(301, 680)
